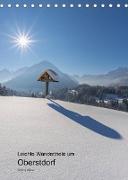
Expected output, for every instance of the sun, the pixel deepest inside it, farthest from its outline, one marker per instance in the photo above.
(23, 41)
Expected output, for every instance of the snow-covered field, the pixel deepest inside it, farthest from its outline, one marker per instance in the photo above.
(97, 136)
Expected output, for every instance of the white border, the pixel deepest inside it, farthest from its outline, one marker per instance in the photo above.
(64, 5)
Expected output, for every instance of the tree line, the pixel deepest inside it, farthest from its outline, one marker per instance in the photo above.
(6, 91)
(96, 95)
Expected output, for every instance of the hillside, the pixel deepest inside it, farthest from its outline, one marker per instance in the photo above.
(97, 136)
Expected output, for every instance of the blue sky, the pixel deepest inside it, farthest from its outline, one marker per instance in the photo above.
(78, 40)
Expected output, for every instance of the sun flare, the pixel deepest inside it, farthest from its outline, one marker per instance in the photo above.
(23, 41)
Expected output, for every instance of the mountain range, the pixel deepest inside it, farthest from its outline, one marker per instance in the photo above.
(117, 77)
(25, 79)
(6, 75)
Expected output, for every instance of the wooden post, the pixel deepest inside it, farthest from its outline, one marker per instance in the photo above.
(47, 85)
(48, 76)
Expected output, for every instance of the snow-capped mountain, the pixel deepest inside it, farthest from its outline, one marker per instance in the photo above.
(118, 76)
(5, 75)
(27, 80)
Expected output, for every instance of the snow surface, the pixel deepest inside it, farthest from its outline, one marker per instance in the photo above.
(97, 136)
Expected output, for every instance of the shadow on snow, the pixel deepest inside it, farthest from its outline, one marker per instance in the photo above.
(86, 121)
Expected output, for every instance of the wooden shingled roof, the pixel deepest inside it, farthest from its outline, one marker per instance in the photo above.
(48, 76)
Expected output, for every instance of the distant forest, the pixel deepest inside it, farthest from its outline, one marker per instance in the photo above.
(6, 91)
(109, 97)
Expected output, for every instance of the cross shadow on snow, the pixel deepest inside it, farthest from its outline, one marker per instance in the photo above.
(86, 121)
